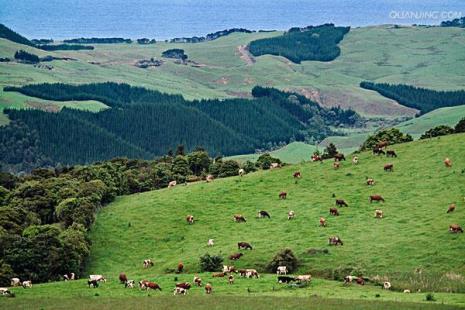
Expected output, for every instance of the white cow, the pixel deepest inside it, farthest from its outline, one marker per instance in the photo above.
(281, 270)
(387, 285)
(274, 165)
(69, 277)
(355, 160)
(290, 215)
(97, 277)
(211, 242)
(26, 284)
(210, 178)
(172, 184)
(241, 172)
(180, 291)
(129, 284)
(5, 291)
(407, 291)
(304, 278)
(15, 282)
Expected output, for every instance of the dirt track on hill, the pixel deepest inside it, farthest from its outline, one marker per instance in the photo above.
(245, 55)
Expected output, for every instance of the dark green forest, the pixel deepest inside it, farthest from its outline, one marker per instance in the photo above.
(300, 44)
(65, 47)
(458, 22)
(142, 123)
(425, 100)
(98, 40)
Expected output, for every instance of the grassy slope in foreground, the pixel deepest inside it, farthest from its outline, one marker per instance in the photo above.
(413, 234)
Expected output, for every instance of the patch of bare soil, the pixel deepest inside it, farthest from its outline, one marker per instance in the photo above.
(222, 81)
(245, 55)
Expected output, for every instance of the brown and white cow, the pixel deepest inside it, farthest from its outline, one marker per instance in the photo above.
(97, 277)
(208, 288)
(231, 279)
(378, 214)
(122, 277)
(334, 211)
(297, 175)
(244, 246)
(455, 228)
(336, 165)
(323, 221)
(290, 215)
(249, 273)
(448, 163)
(27, 284)
(5, 291)
(355, 160)
(180, 268)
(451, 208)
(172, 184)
(148, 263)
(15, 282)
(235, 256)
(389, 167)
(228, 269)
(339, 157)
(190, 219)
(282, 195)
(238, 218)
(387, 285)
(376, 198)
(180, 291)
(263, 214)
(335, 241)
(184, 285)
(303, 278)
(370, 182)
(129, 284)
(197, 281)
(209, 178)
(151, 286)
(69, 276)
(211, 242)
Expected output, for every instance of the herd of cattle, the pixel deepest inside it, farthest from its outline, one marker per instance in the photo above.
(282, 273)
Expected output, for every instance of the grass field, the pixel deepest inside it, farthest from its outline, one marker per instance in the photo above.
(427, 57)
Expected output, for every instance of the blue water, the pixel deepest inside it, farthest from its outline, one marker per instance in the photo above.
(159, 19)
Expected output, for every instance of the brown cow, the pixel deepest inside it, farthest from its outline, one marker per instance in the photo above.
(151, 285)
(297, 175)
(123, 278)
(218, 275)
(360, 281)
(239, 218)
(336, 165)
(370, 182)
(382, 144)
(448, 162)
(184, 285)
(180, 267)
(190, 219)
(335, 241)
(451, 208)
(455, 228)
(333, 211)
(376, 198)
(231, 279)
(208, 288)
(339, 157)
(282, 195)
(341, 203)
(235, 256)
(378, 214)
(316, 157)
(391, 153)
(322, 221)
(244, 245)
(378, 151)
(389, 167)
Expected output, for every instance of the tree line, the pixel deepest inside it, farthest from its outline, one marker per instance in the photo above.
(300, 44)
(45, 216)
(422, 99)
(144, 123)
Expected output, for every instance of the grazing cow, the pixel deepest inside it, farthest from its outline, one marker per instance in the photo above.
(274, 165)
(244, 246)
(387, 285)
(339, 157)
(282, 195)
(391, 153)
(285, 279)
(250, 273)
(5, 291)
(377, 151)
(184, 285)
(349, 279)
(190, 219)
(336, 165)
(211, 242)
(333, 211)
(142, 284)
(239, 218)
(355, 160)
(241, 172)
(151, 286)
(172, 184)
(323, 220)
(235, 256)
(281, 270)
(290, 215)
(69, 277)
(335, 241)
(389, 167)
(451, 208)
(210, 178)
(93, 283)
(231, 279)
(378, 214)
(376, 198)
(341, 203)
(228, 269)
(123, 278)
(180, 267)
(370, 182)
(382, 144)
(448, 163)
(15, 282)
(262, 214)
(97, 277)
(360, 281)
(148, 263)
(197, 281)
(180, 291)
(297, 175)
(129, 284)
(208, 288)
(303, 278)
(27, 284)
(407, 291)
(316, 157)
(218, 275)
(455, 228)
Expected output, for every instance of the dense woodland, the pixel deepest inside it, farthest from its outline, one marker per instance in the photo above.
(143, 123)
(45, 216)
(98, 40)
(65, 47)
(300, 44)
(425, 100)
(210, 36)
(458, 22)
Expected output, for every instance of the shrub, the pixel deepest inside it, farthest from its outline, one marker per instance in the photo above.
(26, 57)
(265, 161)
(284, 257)
(430, 297)
(437, 131)
(211, 262)
(460, 127)
(392, 135)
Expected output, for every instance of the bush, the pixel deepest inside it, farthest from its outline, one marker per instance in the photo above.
(330, 151)
(460, 127)
(441, 130)
(392, 135)
(26, 57)
(430, 297)
(211, 263)
(265, 161)
(286, 258)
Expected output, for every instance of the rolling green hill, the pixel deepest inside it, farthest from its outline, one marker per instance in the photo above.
(413, 235)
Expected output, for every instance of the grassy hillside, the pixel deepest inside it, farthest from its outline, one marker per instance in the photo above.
(412, 235)
(426, 57)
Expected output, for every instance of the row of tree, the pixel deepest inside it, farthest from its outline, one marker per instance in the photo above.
(300, 44)
(143, 123)
(443, 130)
(422, 99)
(45, 216)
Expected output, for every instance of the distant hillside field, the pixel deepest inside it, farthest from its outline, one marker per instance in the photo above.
(413, 235)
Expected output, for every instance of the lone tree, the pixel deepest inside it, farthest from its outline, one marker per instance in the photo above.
(211, 262)
(284, 257)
